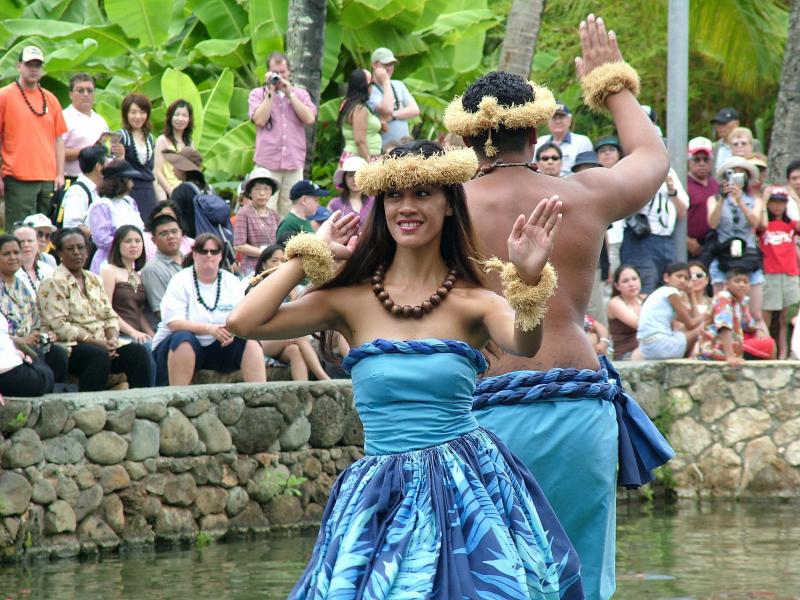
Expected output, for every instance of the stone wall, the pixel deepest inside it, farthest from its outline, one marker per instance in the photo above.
(83, 472)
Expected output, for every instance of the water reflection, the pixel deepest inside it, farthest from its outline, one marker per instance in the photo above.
(722, 551)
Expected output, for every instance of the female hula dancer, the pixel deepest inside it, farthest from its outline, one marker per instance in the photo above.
(438, 507)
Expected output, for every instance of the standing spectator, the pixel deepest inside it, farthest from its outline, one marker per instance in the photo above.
(655, 335)
(256, 223)
(178, 127)
(700, 186)
(31, 126)
(83, 191)
(609, 153)
(624, 309)
(74, 305)
(187, 165)
(740, 141)
(138, 149)
(166, 207)
(548, 158)
(85, 127)
(192, 333)
(122, 282)
(114, 209)
(652, 252)
(44, 232)
(167, 261)
(352, 199)
(725, 122)
(730, 320)
(20, 375)
(360, 127)
(305, 197)
(280, 112)
(33, 269)
(391, 100)
(736, 214)
(793, 183)
(571, 144)
(777, 235)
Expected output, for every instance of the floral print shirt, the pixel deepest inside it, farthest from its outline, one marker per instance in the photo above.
(726, 313)
(18, 306)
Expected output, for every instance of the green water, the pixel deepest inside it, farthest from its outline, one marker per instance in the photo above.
(731, 552)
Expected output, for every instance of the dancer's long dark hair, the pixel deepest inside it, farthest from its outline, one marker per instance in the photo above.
(459, 246)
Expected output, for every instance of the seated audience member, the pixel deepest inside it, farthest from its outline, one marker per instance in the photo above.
(585, 160)
(192, 333)
(114, 209)
(305, 197)
(656, 337)
(256, 223)
(18, 306)
(729, 321)
(20, 375)
(167, 261)
(352, 199)
(598, 336)
(32, 270)
(122, 282)
(188, 168)
(74, 305)
(698, 287)
(166, 207)
(319, 217)
(548, 157)
(82, 193)
(777, 238)
(44, 232)
(298, 353)
(624, 309)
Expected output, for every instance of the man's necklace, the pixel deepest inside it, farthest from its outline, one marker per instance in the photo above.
(200, 297)
(35, 272)
(28, 102)
(499, 164)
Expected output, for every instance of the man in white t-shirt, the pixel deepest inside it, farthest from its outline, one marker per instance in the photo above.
(84, 126)
(570, 143)
(390, 100)
(83, 191)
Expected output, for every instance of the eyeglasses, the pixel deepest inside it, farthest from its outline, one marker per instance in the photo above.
(84, 91)
(168, 232)
(43, 235)
(698, 275)
(739, 143)
(547, 158)
(261, 187)
(701, 159)
(209, 251)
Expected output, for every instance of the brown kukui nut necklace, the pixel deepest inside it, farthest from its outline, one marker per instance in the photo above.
(408, 311)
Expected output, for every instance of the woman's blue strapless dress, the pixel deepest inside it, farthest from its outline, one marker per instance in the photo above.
(438, 508)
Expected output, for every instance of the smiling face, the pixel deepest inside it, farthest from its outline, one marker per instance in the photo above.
(628, 284)
(137, 116)
(415, 216)
(180, 119)
(9, 259)
(28, 243)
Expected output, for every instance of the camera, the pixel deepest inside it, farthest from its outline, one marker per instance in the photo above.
(734, 178)
(45, 341)
(274, 79)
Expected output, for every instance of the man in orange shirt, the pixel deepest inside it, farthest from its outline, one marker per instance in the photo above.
(31, 126)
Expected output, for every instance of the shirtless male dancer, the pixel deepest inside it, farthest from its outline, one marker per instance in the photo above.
(570, 440)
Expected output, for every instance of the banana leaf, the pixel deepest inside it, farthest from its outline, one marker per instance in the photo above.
(140, 19)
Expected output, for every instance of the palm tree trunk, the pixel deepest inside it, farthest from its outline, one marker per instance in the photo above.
(786, 124)
(519, 43)
(305, 48)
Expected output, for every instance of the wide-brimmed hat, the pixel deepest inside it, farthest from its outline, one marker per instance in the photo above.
(39, 220)
(119, 168)
(259, 174)
(350, 165)
(186, 159)
(737, 162)
(586, 158)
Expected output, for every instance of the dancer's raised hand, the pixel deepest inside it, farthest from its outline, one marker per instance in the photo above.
(531, 240)
(340, 233)
(597, 45)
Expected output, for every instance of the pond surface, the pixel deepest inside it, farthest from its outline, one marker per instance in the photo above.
(721, 551)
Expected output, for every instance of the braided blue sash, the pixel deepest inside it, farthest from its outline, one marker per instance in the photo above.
(642, 448)
(428, 346)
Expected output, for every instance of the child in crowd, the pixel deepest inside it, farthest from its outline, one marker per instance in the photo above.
(777, 234)
(657, 340)
(729, 320)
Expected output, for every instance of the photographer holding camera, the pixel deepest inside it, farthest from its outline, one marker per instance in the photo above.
(735, 215)
(280, 112)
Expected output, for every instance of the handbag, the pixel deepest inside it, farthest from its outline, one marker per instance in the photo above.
(749, 261)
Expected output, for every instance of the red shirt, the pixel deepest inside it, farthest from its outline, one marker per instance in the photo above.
(777, 246)
(697, 214)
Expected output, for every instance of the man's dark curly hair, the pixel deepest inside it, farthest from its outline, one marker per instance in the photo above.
(509, 89)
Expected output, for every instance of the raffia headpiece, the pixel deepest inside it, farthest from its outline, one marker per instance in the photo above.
(403, 172)
(490, 115)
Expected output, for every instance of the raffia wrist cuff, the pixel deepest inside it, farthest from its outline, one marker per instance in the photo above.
(606, 80)
(314, 253)
(528, 301)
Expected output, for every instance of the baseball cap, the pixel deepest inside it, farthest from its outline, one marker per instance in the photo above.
(304, 187)
(725, 115)
(562, 108)
(383, 56)
(31, 53)
(322, 214)
(39, 220)
(700, 144)
(779, 193)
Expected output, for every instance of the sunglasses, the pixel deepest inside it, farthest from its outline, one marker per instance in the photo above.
(209, 251)
(43, 235)
(548, 158)
(698, 275)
